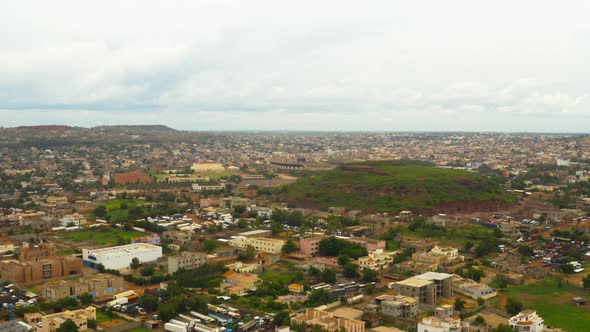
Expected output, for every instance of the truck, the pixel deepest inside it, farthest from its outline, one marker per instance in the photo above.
(120, 301)
(132, 297)
(171, 327)
(202, 317)
(124, 294)
(355, 299)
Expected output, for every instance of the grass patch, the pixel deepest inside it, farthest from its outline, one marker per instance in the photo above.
(139, 329)
(103, 235)
(101, 317)
(391, 186)
(553, 303)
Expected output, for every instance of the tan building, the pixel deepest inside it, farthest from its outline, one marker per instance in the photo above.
(100, 286)
(426, 288)
(377, 259)
(186, 261)
(31, 271)
(238, 283)
(296, 288)
(327, 321)
(178, 237)
(50, 323)
(398, 306)
(273, 246)
(36, 252)
(208, 168)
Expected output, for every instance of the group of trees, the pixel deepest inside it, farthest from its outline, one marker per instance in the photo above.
(335, 247)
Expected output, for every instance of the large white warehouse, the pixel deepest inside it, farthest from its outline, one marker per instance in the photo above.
(120, 257)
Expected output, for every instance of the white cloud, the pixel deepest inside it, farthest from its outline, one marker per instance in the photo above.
(452, 65)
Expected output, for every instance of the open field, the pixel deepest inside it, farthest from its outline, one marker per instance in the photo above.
(393, 186)
(554, 304)
(104, 235)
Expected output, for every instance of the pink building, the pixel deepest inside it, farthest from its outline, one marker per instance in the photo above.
(310, 246)
(152, 238)
(369, 244)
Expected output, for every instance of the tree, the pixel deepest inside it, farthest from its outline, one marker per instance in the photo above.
(238, 211)
(249, 254)
(209, 245)
(289, 247)
(100, 267)
(100, 211)
(147, 270)
(68, 326)
(350, 271)
(459, 304)
(370, 275)
(513, 306)
(328, 276)
(92, 324)
(503, 328)
(586, 281)
(343, 259)
(134, 263)
(86, 298)
(479, 320)
(149, 302)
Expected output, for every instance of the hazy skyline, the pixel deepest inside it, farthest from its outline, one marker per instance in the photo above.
(305, 65)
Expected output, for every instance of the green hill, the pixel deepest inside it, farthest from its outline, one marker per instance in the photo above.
(393, 186)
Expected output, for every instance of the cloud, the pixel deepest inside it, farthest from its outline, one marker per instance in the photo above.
(455, 65)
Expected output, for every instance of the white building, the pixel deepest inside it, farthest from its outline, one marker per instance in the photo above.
(451, 253)
(272, 246)
(120, 257)
(528, 321)
(377, 259)
(435, 324)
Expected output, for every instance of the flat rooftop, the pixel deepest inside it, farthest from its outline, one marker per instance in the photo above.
(254, 232)
(134, 247)
(433, 276)
(414, 282)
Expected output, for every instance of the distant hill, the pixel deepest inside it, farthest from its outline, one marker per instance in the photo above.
(393, 186)
(44, 127)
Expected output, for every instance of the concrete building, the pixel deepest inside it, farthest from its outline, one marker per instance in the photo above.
(15, 326)
(178, 237)
(296, 288)
(310, 246)
(207, 168)
(527, 321)
(435, 324)
(398, 306)
(198, 187)
(273, 246)
(327, 321)
(377, 259)
(50, 323)
(120, 257)
(369, 244)
(451, 253)
(238, 283)
(34, 271)
(100, 285)
(186, 261)
(74, 219)
(474, 290)
(36, 252)
(426, 288)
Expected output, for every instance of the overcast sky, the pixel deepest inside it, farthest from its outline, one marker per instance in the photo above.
(312, 65)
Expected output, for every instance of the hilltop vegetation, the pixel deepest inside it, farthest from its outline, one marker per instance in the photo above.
(392, 186)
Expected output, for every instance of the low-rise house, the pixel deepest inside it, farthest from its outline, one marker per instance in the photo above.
(296, 288)
(238, 283)
(100, 285)
(527, 321)
(472, 289)
(435, 324)
(377, 260)
(327, 321)
(50, 323)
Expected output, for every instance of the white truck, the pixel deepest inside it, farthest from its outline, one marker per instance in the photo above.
(171, 327)
(119, 302)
